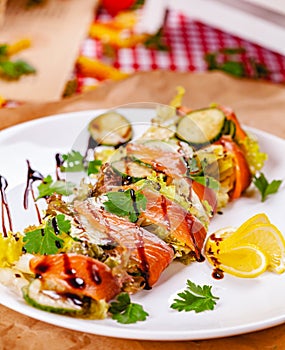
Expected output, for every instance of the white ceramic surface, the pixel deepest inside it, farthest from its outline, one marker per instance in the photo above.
(245, 305)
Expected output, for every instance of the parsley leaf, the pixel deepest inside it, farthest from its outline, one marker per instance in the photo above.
(47, 240)
(266, 188)
(73, 161)
(195, 298)
(49, 187)
(124, 311)
(93, 167)
(126, 203)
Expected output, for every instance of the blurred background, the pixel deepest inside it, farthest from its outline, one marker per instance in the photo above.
(52, 49)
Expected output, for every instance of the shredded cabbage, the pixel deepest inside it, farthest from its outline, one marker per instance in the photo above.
(254, 157)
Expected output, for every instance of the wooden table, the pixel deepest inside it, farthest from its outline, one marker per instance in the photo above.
(257, 104)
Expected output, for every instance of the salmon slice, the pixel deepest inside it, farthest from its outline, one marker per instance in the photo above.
(151, 254)
(76, 274)
(180, 224)
(169, 163)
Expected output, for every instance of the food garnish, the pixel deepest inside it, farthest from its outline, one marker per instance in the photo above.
(256, 246)
(48, 238)
(126, 312)
(140, 204)
(195, 298)
(48, 187)
(265, 187)
(126, 203)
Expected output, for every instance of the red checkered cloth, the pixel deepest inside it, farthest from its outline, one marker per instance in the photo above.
(188, 42)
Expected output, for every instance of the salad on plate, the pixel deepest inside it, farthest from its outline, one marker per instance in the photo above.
(141, 204)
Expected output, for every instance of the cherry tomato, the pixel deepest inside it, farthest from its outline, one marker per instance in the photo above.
(113, 7)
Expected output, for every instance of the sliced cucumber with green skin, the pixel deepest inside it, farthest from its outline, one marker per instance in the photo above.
(51, 301)
(201, 127)
(130, 168)
(110, 129)
(229, 128)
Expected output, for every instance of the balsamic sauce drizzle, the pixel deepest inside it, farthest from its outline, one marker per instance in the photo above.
(59, 162)
(4, 206)
(134, 202)
(33, 175)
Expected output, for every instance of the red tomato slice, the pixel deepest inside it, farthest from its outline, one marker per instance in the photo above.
(205, 193)
(242, 171)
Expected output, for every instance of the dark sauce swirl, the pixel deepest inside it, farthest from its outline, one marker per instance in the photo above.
(4, 206)
(32, 176)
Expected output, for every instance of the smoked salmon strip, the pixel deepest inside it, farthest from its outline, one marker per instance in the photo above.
(76, 274)
(180, 224)
(151, 254)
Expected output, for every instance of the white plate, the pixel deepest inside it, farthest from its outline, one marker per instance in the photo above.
(245, 305)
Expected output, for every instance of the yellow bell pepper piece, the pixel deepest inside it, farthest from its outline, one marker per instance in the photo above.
(18, 46)
(114, 37)
(99, 70)
(10, 249)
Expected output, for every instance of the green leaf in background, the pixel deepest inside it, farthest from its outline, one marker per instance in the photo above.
(234, 68)
(13, 70)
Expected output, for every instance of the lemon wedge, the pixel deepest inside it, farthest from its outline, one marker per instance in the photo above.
(244, 261)
(254, 220)
(226, 249)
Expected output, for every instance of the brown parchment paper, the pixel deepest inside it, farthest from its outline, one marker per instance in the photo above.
(257, 104)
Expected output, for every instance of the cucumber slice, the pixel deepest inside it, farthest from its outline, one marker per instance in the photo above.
(161, 145)
(202, 126)
(110, 129)
(128, 168)
(51, 301)
(229, 128)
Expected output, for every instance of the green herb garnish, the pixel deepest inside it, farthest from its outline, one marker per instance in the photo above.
(47, 239)
(195, 298)
(229, 61)
(13, 70)
(124, 311)
(49, 187)
(74, 161)
(126, 203)
(266, 188)
(94, 166)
